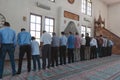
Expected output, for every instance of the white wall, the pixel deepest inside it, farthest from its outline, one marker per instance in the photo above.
(14, 10)
(100, 8)
(114, 19)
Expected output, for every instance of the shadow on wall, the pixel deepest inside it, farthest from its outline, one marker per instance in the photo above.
(71, 27)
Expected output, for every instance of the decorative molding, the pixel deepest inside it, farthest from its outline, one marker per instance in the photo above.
(2, 20)
(43, 6)
(87, 20)
(71, 15)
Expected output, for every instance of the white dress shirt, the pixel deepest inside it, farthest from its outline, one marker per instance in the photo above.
(93, 42)
(83, 41)
(104, 42)
(46, 38)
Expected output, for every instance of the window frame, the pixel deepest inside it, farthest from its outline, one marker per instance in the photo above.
(50, 25)
(36, 15)
(90, 33)
(87, 10)
(84, 31)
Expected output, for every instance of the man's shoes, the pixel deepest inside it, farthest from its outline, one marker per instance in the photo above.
(29, 70)
(18, 73)
(14, 74)
(1, 78)
(34, 70)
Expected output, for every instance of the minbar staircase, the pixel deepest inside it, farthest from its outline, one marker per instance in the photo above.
(103, 31)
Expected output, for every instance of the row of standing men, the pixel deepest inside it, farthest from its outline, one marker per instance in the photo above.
(74, 47)
(8, 42)
(78, 48)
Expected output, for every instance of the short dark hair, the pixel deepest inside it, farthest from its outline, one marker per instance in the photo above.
(44, 31)
(70, 32)
(62, 33)
(100, 35)
(6, 24)
(32, 38)
(87, 34)
(53, 33)
(76, 33)
(82, 35)
(22, 29)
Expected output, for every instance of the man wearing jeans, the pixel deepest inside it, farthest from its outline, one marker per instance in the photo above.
(35, 53)
(8, 43)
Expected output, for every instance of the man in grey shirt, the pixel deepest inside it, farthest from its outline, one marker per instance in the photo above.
(55, 48)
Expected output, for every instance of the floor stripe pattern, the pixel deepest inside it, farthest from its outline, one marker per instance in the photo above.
(107, 68)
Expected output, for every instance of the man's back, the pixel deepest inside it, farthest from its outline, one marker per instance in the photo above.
(46, 38)
(71, 40)
(8, 35)
(24, 38)
(63, 40)
(35, 47)
(87, 40)
(55, 41)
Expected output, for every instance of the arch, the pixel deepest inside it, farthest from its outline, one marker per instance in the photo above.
(71, 27)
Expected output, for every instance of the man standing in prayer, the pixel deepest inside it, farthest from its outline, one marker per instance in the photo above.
(82, 48)
(87, 47)
(63, 44)
(77, 47)
(8, 43)
(70, 43)
(45, 44)
(35, 53)
(24, 42)
(55, 48)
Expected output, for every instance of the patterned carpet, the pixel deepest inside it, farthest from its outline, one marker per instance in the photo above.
(107, 68)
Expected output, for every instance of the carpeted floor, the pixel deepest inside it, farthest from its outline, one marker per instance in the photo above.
(107, 68)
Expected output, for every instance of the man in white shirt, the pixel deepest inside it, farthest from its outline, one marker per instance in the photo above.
(109, 45)
(35, 53)
(82, 48)
(104, 46)
(45, 44)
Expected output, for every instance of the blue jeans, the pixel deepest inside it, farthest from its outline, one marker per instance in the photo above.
(36, 58)
(7, 48)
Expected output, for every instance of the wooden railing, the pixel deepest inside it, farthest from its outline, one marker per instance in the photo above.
(110, 35)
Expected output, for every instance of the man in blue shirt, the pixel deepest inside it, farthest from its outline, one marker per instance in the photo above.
(70, 43)
(35, 53)
(63, 44)
(8, 43)
(24, 41)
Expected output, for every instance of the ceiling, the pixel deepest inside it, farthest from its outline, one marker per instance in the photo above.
(110, 2)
